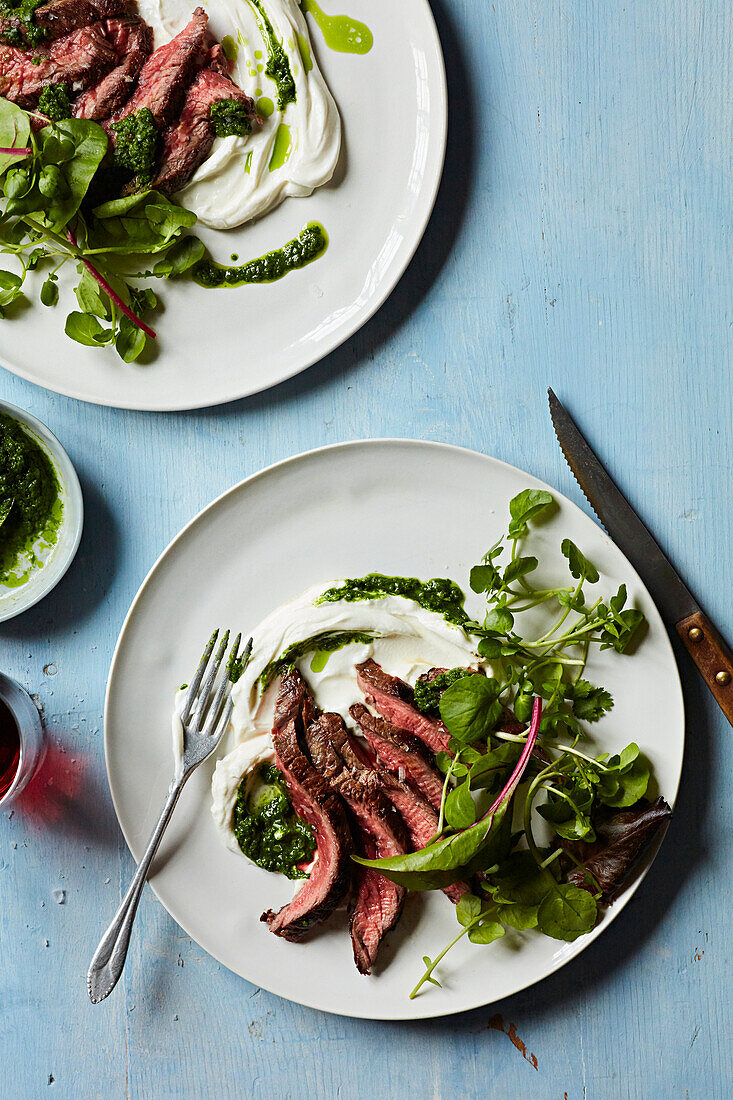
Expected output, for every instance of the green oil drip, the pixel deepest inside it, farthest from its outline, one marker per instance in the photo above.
(265, 107)
(340, 32)
(310, 243)
(248, 162)
(282, 148)
(320, 660)
(305, 52)
(230, 47)
(328, 641)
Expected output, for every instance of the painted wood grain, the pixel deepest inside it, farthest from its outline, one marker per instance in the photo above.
(581, 241)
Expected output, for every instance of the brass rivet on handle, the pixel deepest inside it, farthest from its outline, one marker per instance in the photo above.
(694, 634)
(722, 678)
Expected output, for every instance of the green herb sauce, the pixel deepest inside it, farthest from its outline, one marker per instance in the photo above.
(278, 66)
(54, 102)
(427, 694)
(136, 144)
(326, 642)
(230, 118)
(439, 594)
(30, 502)
(22, 31)
(267, 828)
(304, 249)
(340, 32)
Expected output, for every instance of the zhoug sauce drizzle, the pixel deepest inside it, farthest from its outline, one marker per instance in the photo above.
(30, 504)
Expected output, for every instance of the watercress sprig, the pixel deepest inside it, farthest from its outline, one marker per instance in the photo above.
(48, 219)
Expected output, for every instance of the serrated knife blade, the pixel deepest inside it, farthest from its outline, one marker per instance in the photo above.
(676, 604)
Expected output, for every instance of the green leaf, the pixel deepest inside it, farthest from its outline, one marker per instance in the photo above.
(91, 297)
(620, 632)
(442, 862)
(629, 784)
(180, 257)
(567, 912)
(526, 506)
(50, 291)
(10, 285)
(470, 709)
(520, 916)
(589, 702)
(519, 568)
(87, 330)
(131, 340)
(486, 931)
(484, 578)
(467, 909)
(519, 881)
(15, 131)
(490, 648)
(499, 620)
(579, 564)
(460, 810)
(90, 146)
(492, 769)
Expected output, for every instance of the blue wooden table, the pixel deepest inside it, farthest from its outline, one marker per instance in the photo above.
(579, 241)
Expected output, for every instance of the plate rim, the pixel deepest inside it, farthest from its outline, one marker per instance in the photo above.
(619, 905)
(333, 343)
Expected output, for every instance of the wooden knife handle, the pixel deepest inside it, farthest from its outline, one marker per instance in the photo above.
(712, 657)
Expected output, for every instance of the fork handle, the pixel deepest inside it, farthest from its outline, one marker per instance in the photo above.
(106, 967)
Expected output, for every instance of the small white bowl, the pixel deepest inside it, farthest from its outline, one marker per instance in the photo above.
(15, 600)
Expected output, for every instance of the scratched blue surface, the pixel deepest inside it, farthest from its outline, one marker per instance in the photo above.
(580, 240)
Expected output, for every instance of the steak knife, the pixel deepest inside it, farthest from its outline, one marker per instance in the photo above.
(678, 607)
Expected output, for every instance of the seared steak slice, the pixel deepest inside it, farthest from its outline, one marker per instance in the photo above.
(78, 59)
(400, 753)
(417, 813)
(394, 700)
(316, 803)
(188, 142)
(61, 17)
(378, 903)
(132, 40)
(165, 76)
(421, 821)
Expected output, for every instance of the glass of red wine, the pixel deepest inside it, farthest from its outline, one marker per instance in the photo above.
(22, 746)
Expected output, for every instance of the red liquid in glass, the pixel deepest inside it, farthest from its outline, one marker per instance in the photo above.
(9, 748)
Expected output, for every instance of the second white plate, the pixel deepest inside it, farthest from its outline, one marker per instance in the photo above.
(219, 345)
(420, 509)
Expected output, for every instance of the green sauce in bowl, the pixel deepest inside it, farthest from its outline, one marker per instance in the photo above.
(31, 508)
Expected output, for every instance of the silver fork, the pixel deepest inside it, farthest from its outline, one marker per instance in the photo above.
(204, 715)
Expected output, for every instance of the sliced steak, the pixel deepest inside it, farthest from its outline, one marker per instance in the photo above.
(78, 59)
(188, 142)
(420, 818)
(400, 753)
(166, 75)
(132, 40)
(61, 17)
(377, 905)
(316, 803)
(394, 700)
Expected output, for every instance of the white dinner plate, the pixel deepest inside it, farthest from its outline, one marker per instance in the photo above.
(219, 345)
(393, 506)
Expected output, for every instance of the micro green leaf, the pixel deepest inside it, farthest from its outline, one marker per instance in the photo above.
(470, 708)
(526, 506)
(580, 567)
(567, 912)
